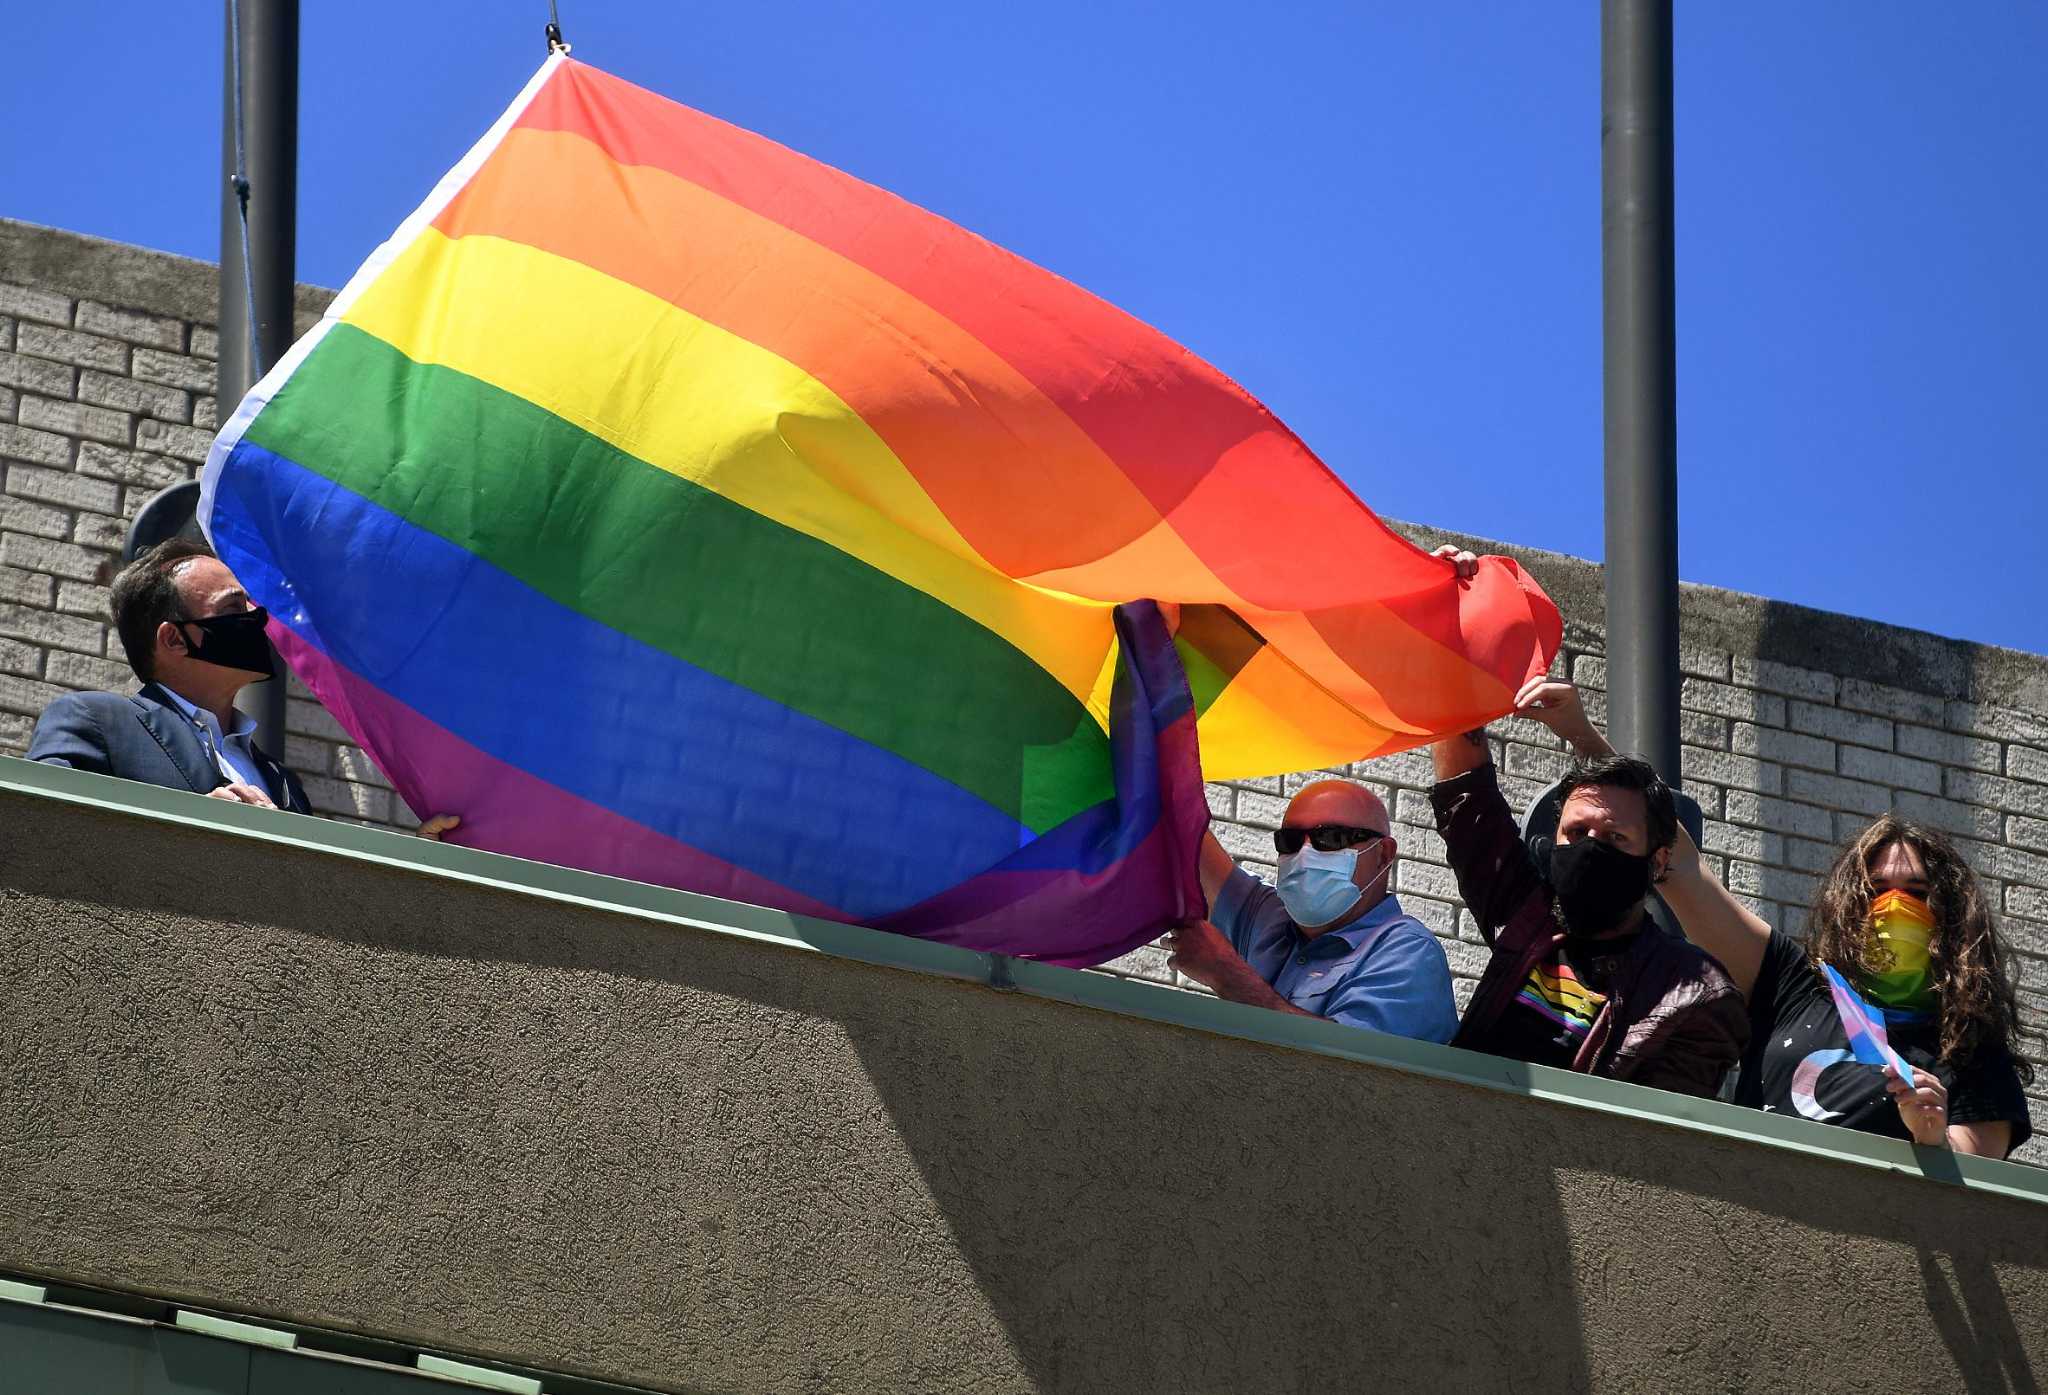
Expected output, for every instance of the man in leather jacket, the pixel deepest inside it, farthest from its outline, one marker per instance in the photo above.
(1581, 976)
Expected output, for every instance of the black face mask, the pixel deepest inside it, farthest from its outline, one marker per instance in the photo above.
(233, 641)
(1597, 884)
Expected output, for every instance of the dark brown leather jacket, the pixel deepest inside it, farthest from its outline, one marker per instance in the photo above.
(1672, 1020)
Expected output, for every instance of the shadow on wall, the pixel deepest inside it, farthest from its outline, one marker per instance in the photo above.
(1847, 647)
(1148, 1212)
(1147, 1215)
(1969, 1310)
(1325, 1227)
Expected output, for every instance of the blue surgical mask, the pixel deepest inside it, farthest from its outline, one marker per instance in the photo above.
(1316, 887)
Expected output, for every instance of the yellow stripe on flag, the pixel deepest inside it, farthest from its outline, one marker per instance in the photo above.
(690, 398)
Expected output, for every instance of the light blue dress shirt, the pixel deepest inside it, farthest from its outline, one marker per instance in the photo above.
(230, 749)
(1383, 971)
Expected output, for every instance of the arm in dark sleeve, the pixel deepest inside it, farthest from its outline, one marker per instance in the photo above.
(1988, 1091)
(1695, 1056)
(1484, 846)
(68, 734)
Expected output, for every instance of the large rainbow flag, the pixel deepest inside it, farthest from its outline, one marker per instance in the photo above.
(668, 504)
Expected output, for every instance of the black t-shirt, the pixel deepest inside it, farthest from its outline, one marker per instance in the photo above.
(1798, 1060)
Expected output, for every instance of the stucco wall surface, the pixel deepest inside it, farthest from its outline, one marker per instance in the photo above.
(285, 1082)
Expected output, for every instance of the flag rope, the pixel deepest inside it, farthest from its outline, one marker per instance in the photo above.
(240, 182)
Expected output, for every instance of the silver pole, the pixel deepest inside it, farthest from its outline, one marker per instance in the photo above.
(261, 67)
(1641, 380)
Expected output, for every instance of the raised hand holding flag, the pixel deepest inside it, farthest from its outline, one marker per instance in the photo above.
(1921, 1097)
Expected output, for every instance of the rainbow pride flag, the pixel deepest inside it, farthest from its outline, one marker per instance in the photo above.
(668, 504)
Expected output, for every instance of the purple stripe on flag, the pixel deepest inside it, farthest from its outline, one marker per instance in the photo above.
(1115, 876)
(1101, 914)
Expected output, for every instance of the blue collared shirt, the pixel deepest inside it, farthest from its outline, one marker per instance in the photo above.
(230, 749)
(1384, 970)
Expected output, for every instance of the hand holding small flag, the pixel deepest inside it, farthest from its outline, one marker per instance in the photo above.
(1923, 1106)
(1921, 1097)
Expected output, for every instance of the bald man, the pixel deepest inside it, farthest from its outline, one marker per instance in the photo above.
(1331, 940)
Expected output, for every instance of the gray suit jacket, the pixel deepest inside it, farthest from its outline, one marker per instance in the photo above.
(144, 737)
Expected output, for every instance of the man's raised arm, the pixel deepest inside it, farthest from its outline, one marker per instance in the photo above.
(1706, 911)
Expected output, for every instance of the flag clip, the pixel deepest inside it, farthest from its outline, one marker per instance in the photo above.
(999, 974)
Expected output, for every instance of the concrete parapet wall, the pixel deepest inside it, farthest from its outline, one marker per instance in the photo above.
(546, 1118)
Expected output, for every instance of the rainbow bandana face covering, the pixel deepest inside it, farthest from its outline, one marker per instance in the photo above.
(1903, 924)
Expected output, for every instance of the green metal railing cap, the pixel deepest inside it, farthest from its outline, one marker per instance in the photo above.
(233, 1331)
(478, 1375)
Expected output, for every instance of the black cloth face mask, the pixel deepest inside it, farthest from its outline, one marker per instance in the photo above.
(1597, 884)
(233, 641)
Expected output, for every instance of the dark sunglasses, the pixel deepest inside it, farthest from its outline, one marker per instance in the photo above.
(1324, 837)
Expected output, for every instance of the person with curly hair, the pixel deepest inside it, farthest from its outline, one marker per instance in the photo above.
(1903, 918)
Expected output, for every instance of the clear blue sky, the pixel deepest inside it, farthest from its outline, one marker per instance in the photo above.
(1383, 219)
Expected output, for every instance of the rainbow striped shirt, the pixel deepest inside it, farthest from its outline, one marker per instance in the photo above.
(1554, 992)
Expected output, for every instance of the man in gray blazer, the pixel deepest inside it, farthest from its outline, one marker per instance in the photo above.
(195, 639)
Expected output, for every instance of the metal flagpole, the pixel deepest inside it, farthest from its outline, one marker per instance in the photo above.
(1640, 380)
(258, 234)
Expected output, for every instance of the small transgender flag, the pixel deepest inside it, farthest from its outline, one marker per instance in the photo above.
(1865, 1026)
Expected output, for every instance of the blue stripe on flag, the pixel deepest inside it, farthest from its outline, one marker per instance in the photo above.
(533, 683)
